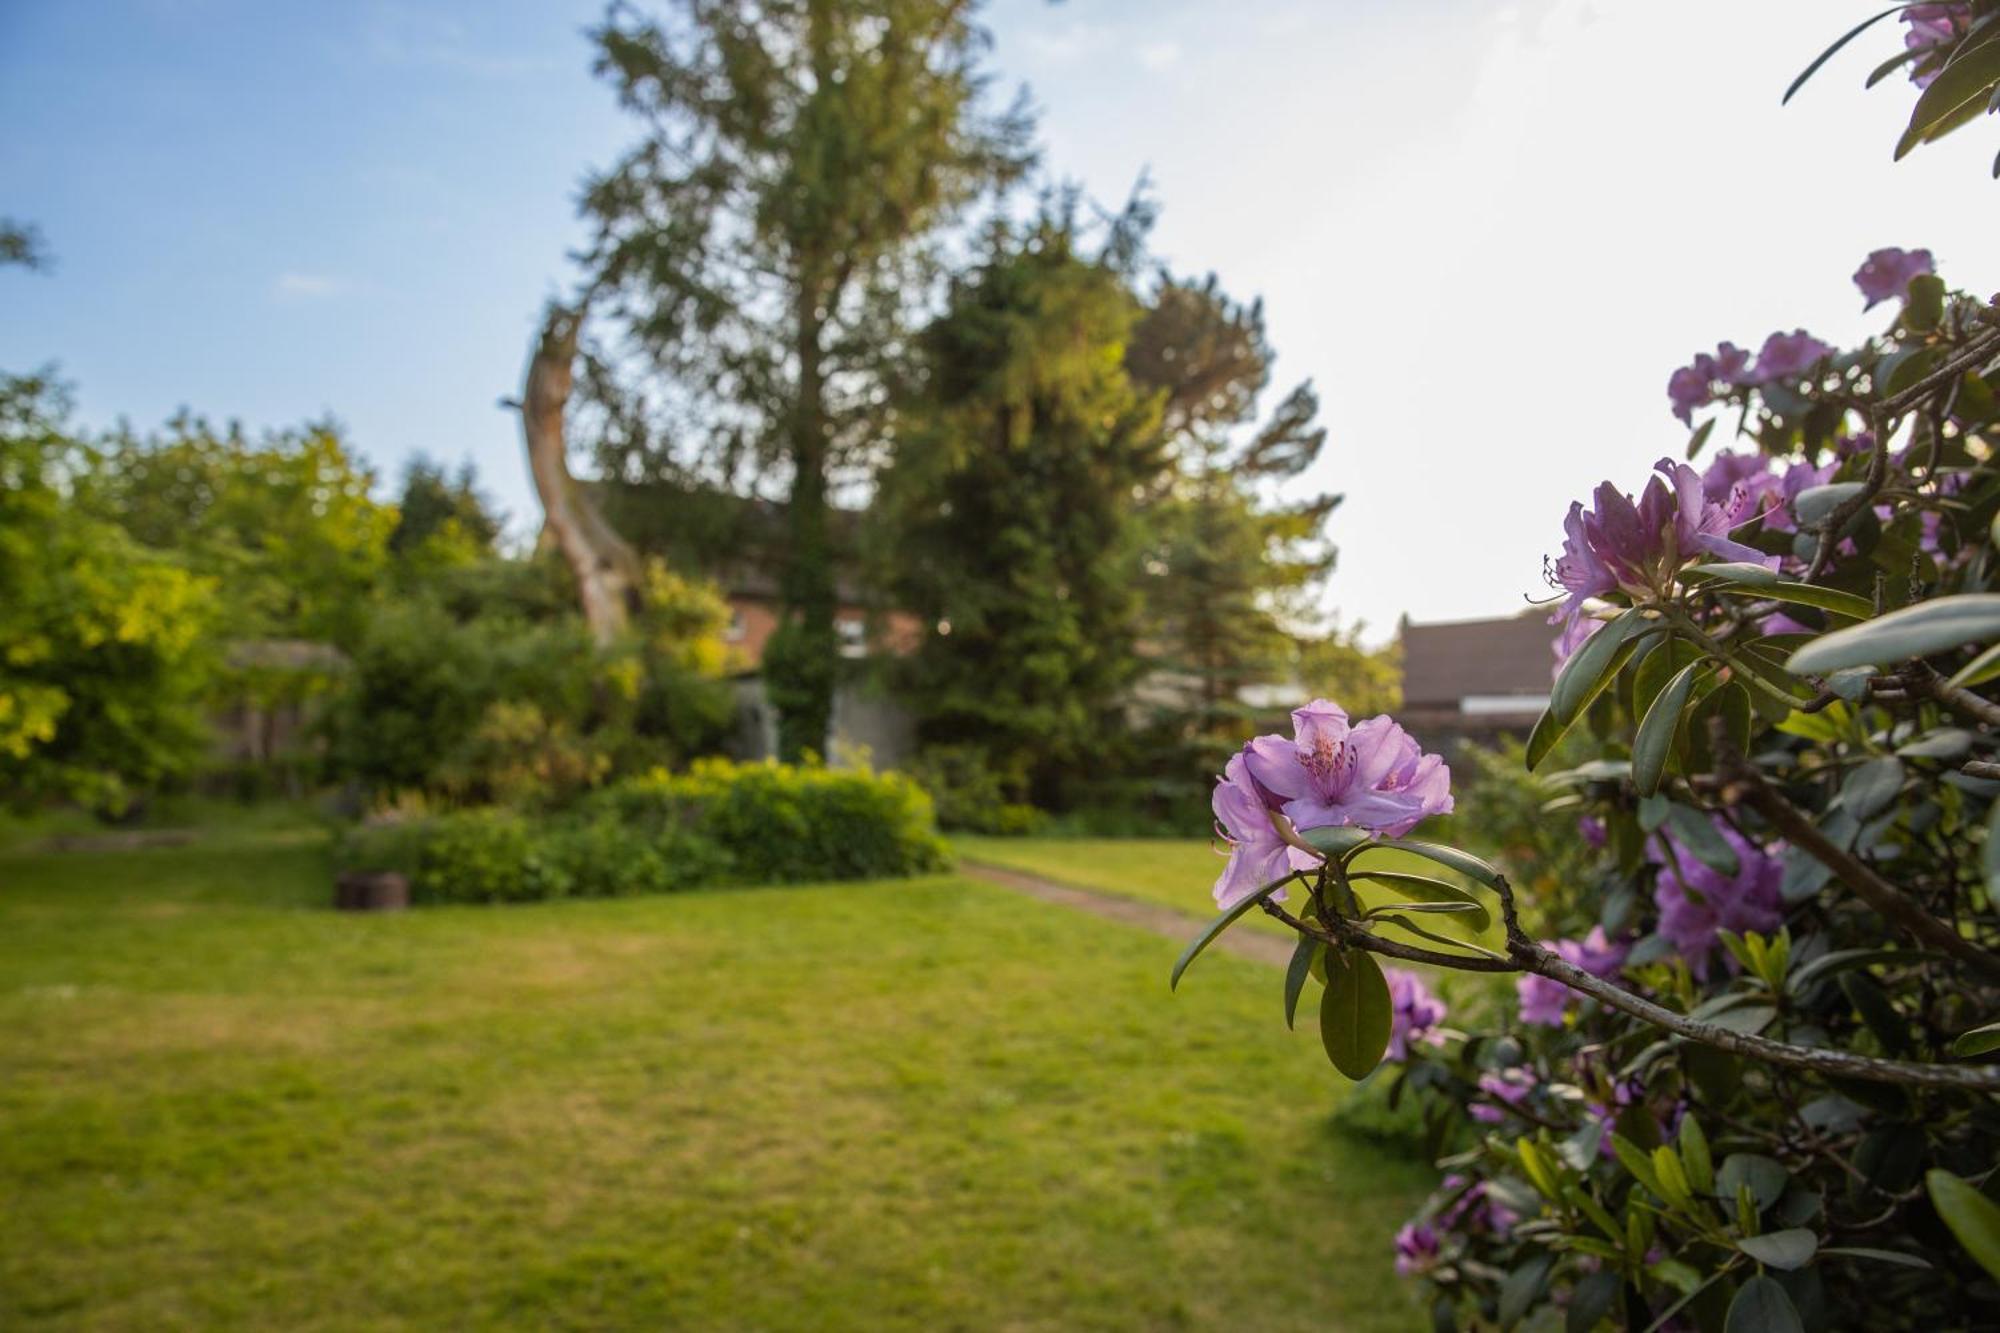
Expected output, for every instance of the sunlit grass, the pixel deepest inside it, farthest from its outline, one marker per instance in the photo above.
(918, 1105)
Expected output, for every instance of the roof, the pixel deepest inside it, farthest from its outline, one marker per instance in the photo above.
(1455, 660)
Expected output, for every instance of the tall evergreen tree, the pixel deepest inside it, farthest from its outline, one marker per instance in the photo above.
(758, 245)
(1010, 508)
(1230, 564)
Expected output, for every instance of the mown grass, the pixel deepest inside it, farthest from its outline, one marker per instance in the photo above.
(919, 1105)
(1175, 872)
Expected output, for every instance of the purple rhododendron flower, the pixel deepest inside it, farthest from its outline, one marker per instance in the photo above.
(1753, 484)
(1693, 385)
(1257, 854)
(1416, 1249)
(1371, 775)
(1414, 1013)
(1509, 1087)
(1787, 356)
(1933, 26)
(1475, 1209)
(1696, 902)
(1545, 1001)
(1591, 829)
(1886, 274)
(1638, 547)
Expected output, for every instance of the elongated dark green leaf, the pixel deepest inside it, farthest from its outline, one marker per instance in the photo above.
(1914, 631)
(1654, 744)
(1543, 738)
(1894, 63)
(1826, 965)
(1972, 1217)
(1867, 1252)
(1992, 864)
(1765, 583)
(1979, 670)
(1521, 1288)
(1694, 831)
(1695, 1159)
(1217, 926)
(1963, 84)
(1816, 504)
(1296, 973)
(1424, 889)
(1978, 1041)
(1404, 923)
(1595, 665)
(1761, 1306)
(1831, 51)
(1791, 1248)
(1354, 1013)
(1592, 1299)
(1465, 863)
(1740, 572)
(1869, 789)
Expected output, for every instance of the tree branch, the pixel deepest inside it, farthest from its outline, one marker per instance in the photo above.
(1888, 901)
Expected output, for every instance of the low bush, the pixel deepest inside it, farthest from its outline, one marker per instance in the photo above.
(720, 823)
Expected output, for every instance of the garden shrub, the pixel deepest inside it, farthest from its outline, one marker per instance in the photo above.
(969, 795)
(720, 823)
(1747, 1078)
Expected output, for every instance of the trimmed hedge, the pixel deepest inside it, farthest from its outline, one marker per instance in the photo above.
(719, 823)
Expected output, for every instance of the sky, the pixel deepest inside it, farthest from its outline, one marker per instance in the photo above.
(1487, 230)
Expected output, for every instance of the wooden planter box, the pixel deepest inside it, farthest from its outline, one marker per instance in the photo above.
(371, 891)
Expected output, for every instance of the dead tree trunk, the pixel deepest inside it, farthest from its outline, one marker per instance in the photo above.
(607, 571)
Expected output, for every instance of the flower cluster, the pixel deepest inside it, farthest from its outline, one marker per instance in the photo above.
(1697, 901)
(1369, 775)
(1886, 274)
(1784, 356)
(1933, 27)
(1414, 1015)
(1547, 1002)
(1637, 547)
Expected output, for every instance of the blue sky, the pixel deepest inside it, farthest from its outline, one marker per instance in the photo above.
(1487, 228)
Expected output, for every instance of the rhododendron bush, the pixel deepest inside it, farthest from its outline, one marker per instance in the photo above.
(1746, 1075)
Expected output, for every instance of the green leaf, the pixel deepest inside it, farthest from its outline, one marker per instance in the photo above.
(1354, 1012)
(1765, 1177)
(1964, 82)
(1868, 790)
(1543, 738)
(1815, 504)
(1655, 740)
(1841, 959)
(1334, 841)
(1992, 861)
(1978, 1041)
(1765, 583)
(1595, 665)
(1694, 1156)
(1694, 831)
(1465, 863)
(1424, 889)
(1296, 973)
(1788, 1249)
(1979, 670)
(1521, 1288)
(1592, 1299)
(1865, 1252)
(1220, 924)
(1972, 1217)
(1914, 631)
(1637, 1161)
(1761, 1306)
(1872, 1003)
(1404, 923)
(1831, 51)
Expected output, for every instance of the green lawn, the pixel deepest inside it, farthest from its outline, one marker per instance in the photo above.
(920, 1105)
(1176, 872)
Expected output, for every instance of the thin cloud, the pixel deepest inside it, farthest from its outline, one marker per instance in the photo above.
(305, 286)
(1158, 56)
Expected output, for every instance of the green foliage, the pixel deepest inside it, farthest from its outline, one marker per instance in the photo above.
(969, 796)
(286, 526)
(1006, 514)
(442, 520)
(476, 690)
(779, 823)
(761, 244)
(102, 657)
(718, 823)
